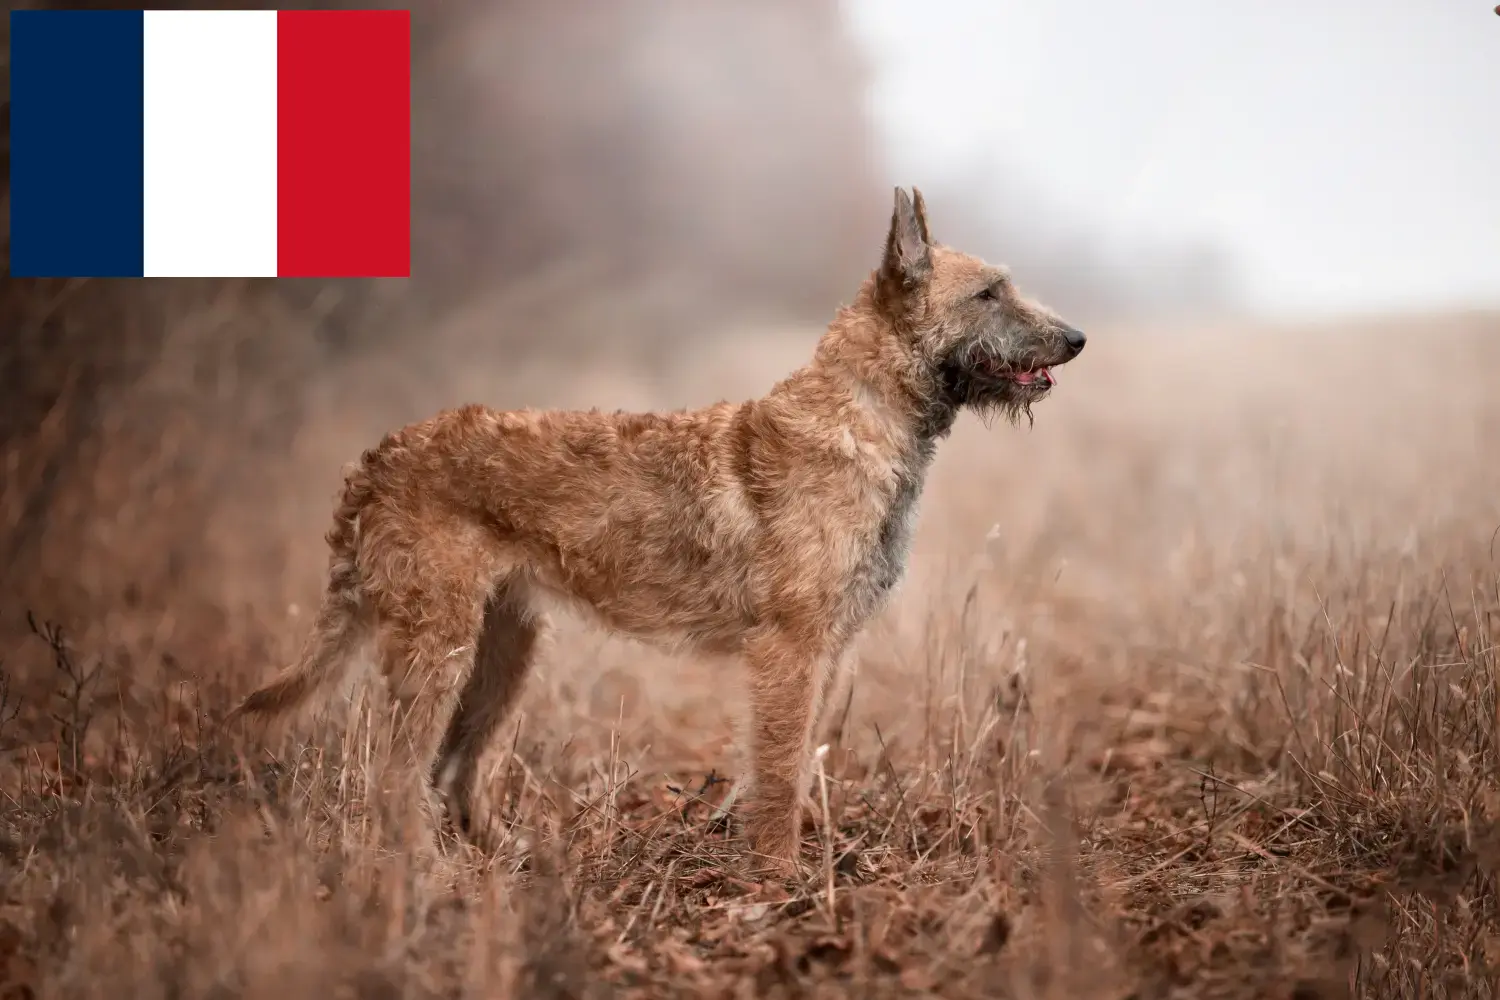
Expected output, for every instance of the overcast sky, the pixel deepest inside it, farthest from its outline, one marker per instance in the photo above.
(1346, 153)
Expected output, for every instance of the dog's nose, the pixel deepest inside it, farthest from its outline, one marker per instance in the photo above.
(1075, 338)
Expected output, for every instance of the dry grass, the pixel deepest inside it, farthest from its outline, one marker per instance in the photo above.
(1210, 711)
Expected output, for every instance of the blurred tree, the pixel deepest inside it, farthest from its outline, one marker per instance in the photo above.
(716, 156)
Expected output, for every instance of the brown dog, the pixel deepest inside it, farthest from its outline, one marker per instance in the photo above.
(771, 529)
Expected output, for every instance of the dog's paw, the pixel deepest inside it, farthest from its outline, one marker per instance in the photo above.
(774, 848)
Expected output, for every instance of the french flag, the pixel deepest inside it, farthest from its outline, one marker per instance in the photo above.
(239, 143)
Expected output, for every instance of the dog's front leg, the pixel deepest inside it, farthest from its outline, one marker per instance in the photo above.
(836, 696)
(786, 675)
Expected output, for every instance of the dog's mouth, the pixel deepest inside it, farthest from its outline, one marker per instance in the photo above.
(1039, 378)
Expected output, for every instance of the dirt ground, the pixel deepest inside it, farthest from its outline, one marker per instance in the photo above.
(1191, 691)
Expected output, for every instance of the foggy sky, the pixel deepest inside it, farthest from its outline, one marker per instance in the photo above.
(1346, 154)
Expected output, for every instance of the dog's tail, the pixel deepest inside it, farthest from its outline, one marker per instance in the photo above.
(342, 619)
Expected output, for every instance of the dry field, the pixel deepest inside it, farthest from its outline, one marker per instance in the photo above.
(1191, 692)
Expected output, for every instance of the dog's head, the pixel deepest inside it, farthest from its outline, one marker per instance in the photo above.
(974, 339)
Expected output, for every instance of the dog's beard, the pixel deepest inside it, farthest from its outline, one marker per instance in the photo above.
(989, 409)
(988, 396)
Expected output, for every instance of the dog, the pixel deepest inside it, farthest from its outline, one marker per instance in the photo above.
(771, 530)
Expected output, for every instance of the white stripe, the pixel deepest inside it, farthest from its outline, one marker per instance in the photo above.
(210, 116)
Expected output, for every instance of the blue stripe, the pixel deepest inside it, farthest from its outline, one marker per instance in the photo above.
(77, 139)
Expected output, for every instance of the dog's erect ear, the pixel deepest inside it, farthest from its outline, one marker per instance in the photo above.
(919, 207)
(908, 258)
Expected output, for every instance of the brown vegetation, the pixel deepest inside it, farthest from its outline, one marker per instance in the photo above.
(1210, 711)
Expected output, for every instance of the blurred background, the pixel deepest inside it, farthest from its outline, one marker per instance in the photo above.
(1286, 159)
(629, 204)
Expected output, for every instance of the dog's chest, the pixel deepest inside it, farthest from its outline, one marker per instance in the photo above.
(884, 558)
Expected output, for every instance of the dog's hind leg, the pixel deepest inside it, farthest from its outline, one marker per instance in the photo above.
(426, 643)
(474, 745)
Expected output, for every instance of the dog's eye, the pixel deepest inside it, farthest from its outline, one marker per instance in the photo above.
(987, 294)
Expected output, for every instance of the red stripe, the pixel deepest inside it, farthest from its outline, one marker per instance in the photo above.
(343, 133)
